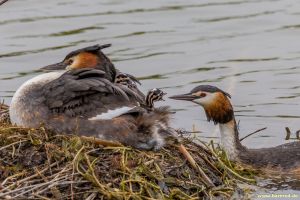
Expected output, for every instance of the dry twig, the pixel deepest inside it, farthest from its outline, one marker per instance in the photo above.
(259, 130)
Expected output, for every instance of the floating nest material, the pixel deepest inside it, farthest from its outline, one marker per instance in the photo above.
(39, 164)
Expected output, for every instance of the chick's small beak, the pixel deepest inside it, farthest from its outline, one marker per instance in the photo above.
(162, 96)
(185, 97)
(56, 66)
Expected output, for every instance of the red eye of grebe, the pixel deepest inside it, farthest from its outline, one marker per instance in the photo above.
(70, 62)
(202, 95)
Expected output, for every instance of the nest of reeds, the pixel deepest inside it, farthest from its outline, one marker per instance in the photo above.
(39, 164)
(4, 114)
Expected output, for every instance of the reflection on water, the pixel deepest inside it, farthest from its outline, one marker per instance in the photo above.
(249, 48)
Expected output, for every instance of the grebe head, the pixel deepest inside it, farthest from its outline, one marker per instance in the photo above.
(88, 57)
(218, 108)
(122, 79)
(127, 79)
(154, 95)
(214, 101)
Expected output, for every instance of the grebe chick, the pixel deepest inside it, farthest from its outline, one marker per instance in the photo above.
(127, 79)
(130, 82)
(217, 106)
(154, 95)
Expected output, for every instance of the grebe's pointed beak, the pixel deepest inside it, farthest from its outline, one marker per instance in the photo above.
(185, 97)
(54, 67)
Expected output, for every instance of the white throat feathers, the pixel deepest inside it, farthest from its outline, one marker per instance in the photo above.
(229, 139)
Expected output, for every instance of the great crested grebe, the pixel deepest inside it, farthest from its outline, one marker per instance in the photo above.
(85, 100)
(217, 106)
(93, 57)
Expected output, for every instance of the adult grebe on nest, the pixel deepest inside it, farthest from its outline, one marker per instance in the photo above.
(88, 96)
(284, 158)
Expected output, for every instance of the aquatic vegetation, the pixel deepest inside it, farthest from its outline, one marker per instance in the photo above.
(36, 163)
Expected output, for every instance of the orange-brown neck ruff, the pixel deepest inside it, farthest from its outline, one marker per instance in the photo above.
(220, 110)
(85, 60)
(98, 61)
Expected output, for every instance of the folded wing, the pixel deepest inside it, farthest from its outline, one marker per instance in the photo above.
(87, 93)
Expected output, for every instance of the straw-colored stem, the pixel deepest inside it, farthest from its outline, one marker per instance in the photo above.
(191, 160)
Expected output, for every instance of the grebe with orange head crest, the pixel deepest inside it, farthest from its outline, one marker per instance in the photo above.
(84, 95)
(217, 106)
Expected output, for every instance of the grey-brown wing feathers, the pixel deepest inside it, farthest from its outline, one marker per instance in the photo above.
(84, 92)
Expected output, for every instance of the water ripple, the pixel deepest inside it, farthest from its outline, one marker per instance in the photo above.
(137, 10)
(245, 60)
(62, 33)
(225, 18)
